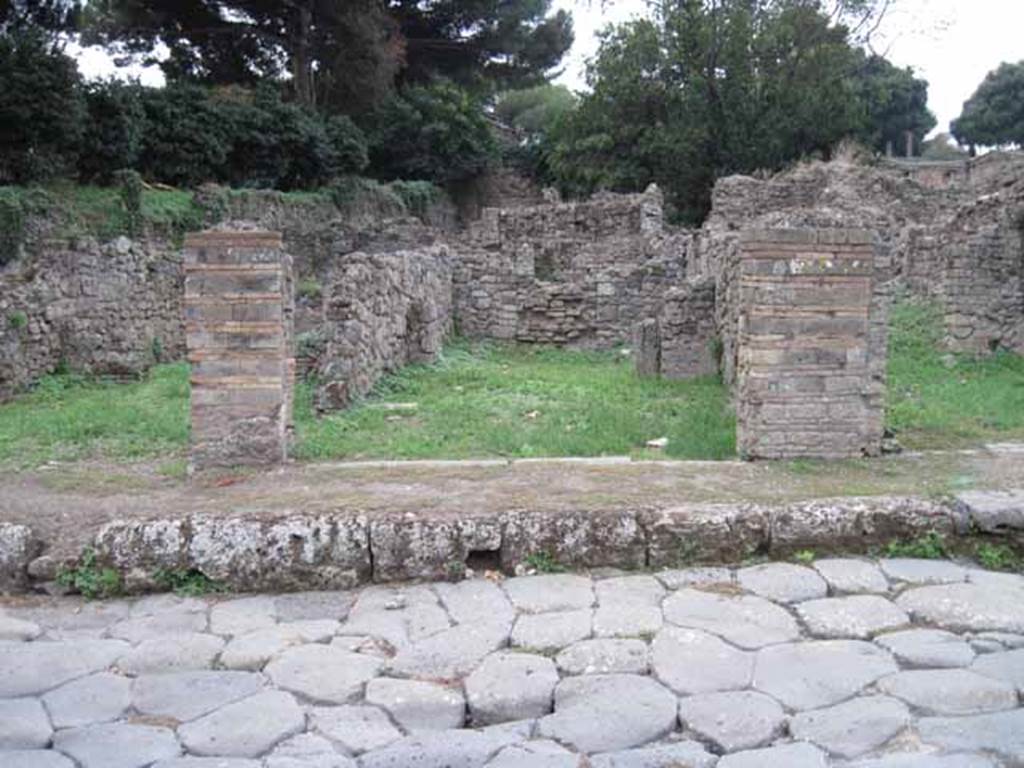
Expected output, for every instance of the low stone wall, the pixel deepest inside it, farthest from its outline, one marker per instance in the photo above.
(680, 342)
(812, 345)
(238, 305)
(568, 273)
(106, 309)
(380, 312)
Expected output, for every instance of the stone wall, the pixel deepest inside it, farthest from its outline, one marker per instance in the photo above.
(238, 309)
(811, 344)
(568, 273)
(380, 312)
(106, 309)
(680, 342)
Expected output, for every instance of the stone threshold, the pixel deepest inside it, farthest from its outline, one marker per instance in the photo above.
(342, 549)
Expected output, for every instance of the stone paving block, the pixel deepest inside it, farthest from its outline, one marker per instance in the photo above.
(313, 606)
(747, 621)
(356, 728)
(604, 713)
(34, 758)
(323, 673)
(510, 686)
(23, 724)
(399, 616)
(681, 753)
(160, 625)
(117, 745)
(68, 618)
(453, 653)
(550, 592)
(1008, 641)
(447, 749)
(782, 582)
(17, 630)
(1001, 733)
(1007, 666)
(175, 653)
(208, 762)
(819, 673)
(253, 650)
(98, 698)
(965, 607)
(246, 728)
(733, 721)
(950, 691)
(33, 668)
(184, 696)
(604, 656)
(927, 648)
(541, 753)
(847, 576)
(798, 755)
(996, 580)
(926, 760)
(552, 631)
(853, 728)
(466, 601)
(244, 615)
(858, 616)
(916, 571)
(696, 577)
(690, 661)
(416, 705)
(307, 750)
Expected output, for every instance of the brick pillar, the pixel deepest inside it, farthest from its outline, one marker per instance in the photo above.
(812, 344)
(238, 320)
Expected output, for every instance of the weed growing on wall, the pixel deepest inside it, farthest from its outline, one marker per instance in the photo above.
(90, 579)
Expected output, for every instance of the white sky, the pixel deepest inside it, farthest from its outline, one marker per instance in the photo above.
(951, 43)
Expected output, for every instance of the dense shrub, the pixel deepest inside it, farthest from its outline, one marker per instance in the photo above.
(130, 187)
(349, 144)
(40, 108)
(434, 133)
(113, 131)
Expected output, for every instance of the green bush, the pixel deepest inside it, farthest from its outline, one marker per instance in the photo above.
(349, 145)
(41, 108)
(418, 196)
(130, 187)
(435, 133)
(114, 130)
(186, 140)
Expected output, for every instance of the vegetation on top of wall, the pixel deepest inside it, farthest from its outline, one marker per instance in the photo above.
(12, 225)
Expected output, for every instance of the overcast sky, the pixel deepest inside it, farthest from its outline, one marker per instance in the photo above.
(953, 44)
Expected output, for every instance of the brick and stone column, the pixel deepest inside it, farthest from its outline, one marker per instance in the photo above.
(812, 344)
(238, 317)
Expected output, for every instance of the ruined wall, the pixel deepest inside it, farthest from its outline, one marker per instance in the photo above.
(107, 309)
(811, 344)
(680, 342)
(380, 312)
(567, 273)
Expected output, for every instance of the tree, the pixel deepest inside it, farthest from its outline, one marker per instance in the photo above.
(488, 44)
(705, 88)
(534, 110)
(48, 16)
(41, 107)
(994, 115)
(895, 104)
(340, 53)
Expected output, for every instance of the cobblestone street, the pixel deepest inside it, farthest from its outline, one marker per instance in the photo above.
(880, 664)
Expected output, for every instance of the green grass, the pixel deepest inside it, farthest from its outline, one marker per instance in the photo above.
(68, 418)
(939, 401)
(497, 400)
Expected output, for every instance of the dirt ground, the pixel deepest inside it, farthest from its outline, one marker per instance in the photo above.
(77, 499)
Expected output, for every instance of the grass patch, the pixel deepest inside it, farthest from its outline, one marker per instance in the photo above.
(67, 417)
(937, 400)
(520, 401)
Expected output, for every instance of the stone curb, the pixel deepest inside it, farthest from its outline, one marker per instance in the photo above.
(339, 550)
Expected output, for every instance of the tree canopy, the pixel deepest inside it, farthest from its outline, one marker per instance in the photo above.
(994, 115)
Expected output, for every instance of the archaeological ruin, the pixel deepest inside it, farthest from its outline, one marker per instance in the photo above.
(783, 292)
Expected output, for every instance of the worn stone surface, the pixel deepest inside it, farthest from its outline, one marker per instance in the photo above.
(852, 728)
(1007, 666)
(733, 721)
(691, 661)
(857, 616)
(819, 673)
(24, 724)
(1000, 732)
(915, 571)
(628, 606)
(416, 705)
(116, 745)
(550, 592)
(790, 755)
(782, 582)
(27, 669)
(745, 620)
(172, 654)
(184, 696)
(541, 753)
(687, 753)
(550, 631)
(850, 576)
(601, 713)
(927, 648)
(35, 759)
(962, 607)
(447, 749)
(509, 687)
(323, 673)
(356, 728)
(950, 691)
(98, 698)
(604, 656)
(245, 728)
(254, 649)
(451, 653)
(12, 629)
(926, 760)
